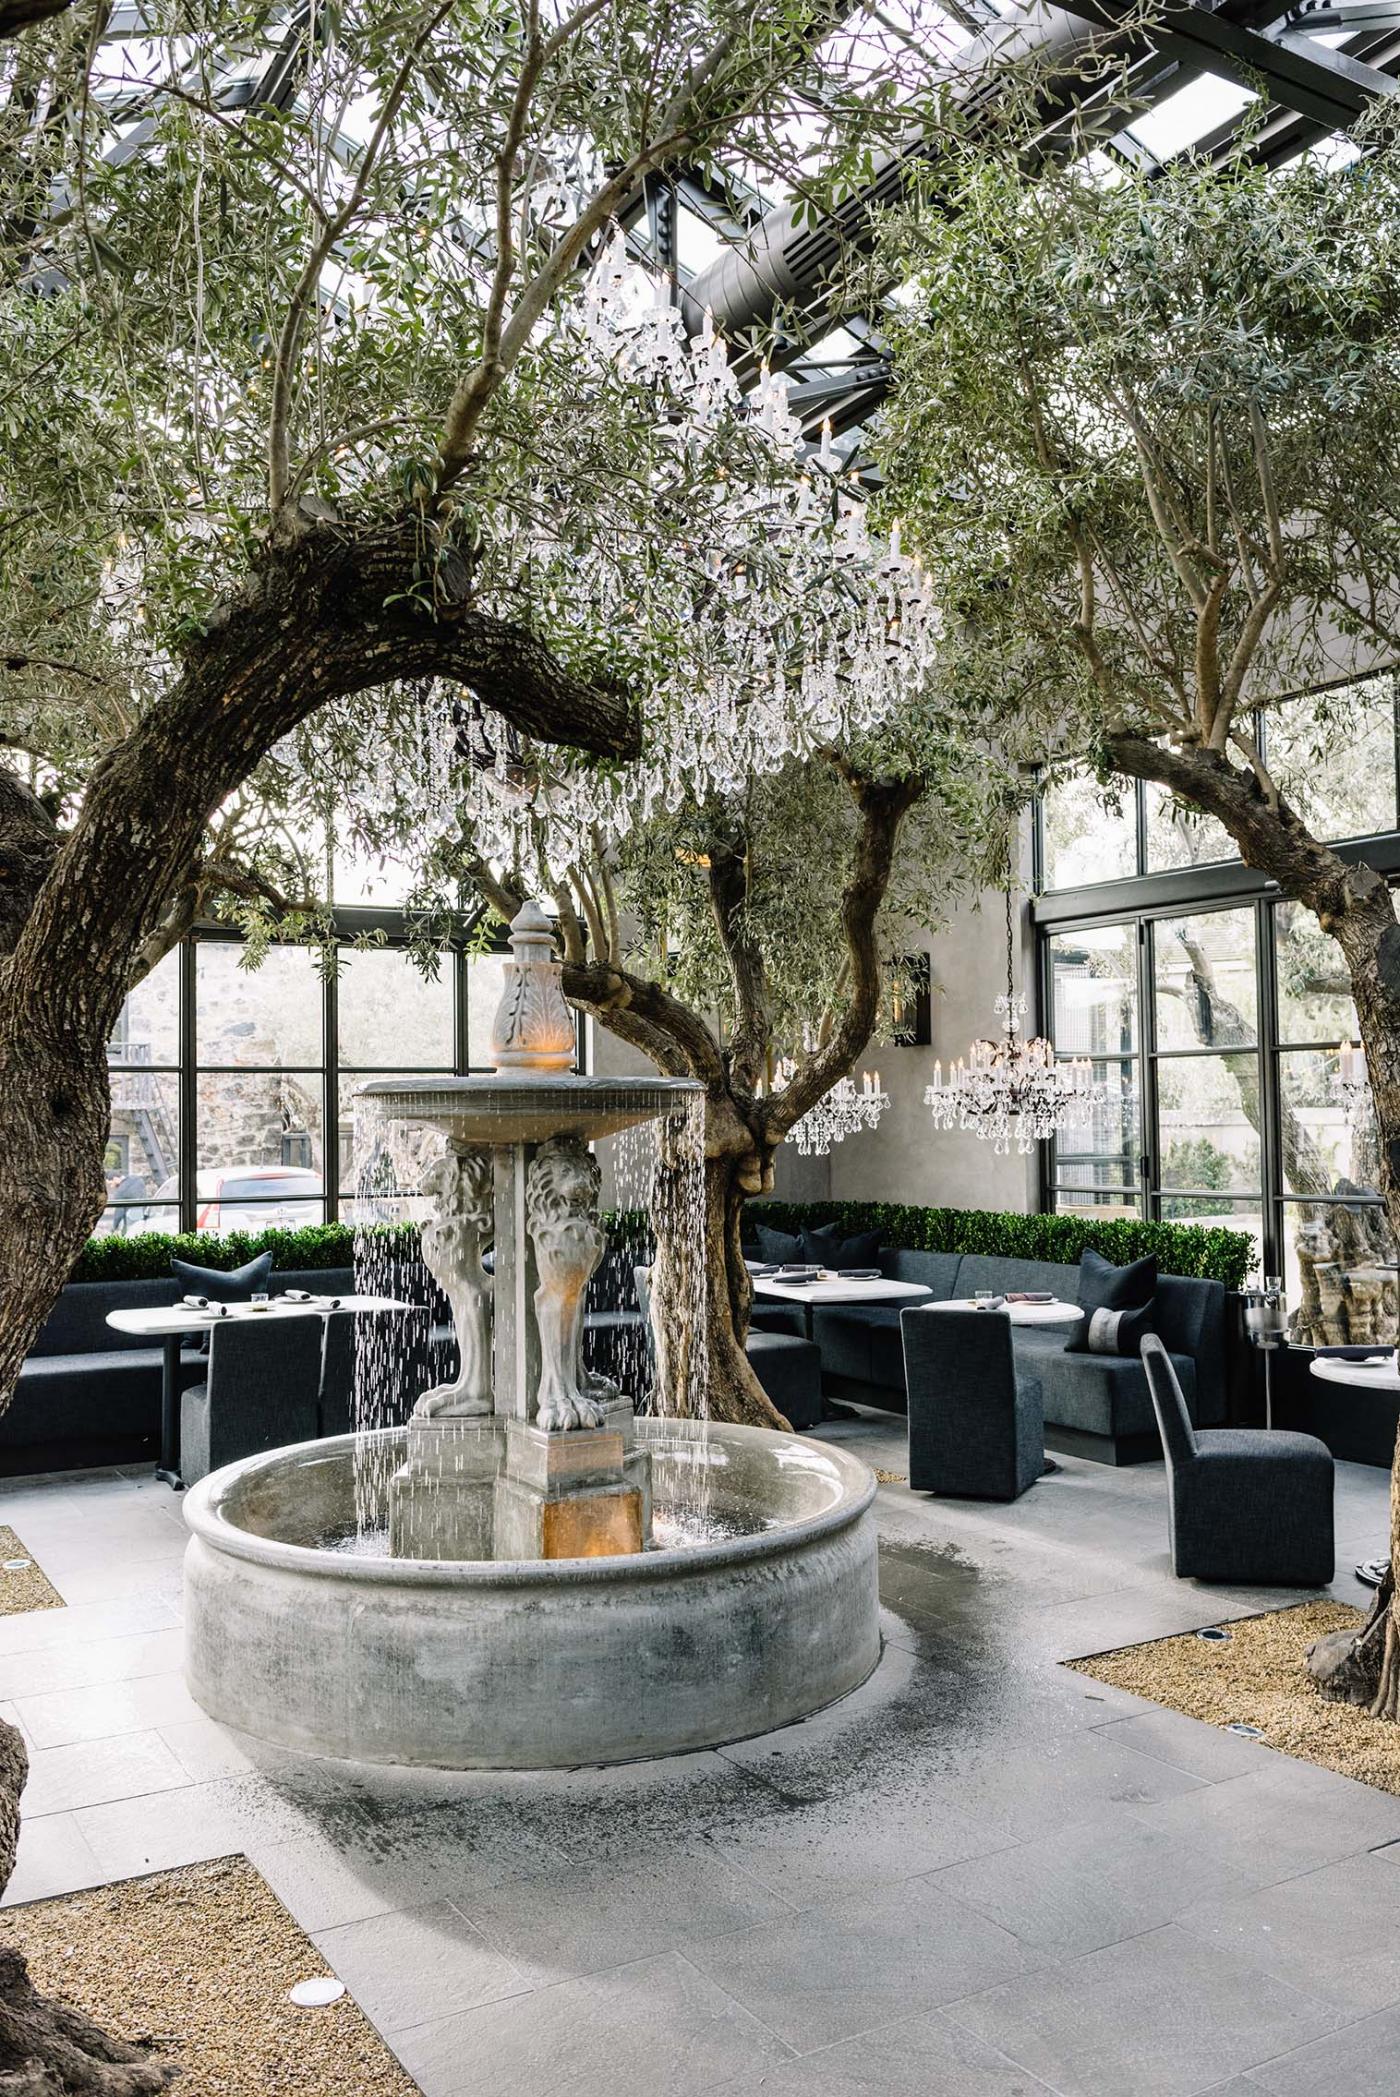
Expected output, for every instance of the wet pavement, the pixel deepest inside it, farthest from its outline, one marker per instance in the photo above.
(981, 1876)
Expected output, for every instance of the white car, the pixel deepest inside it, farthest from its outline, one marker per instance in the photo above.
(253, 1197)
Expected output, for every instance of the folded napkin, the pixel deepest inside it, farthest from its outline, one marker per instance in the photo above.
(325, 1303)
(1028, 1296)
(295, 1296)
(859, 1274)
(203, 1303)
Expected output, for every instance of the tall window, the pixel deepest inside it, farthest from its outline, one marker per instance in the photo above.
(1336, 754)
(1095, 1013)
(142, 1164)
(254, 1124)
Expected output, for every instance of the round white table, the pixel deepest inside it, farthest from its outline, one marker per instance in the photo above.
(1056, 1313)
(1377, 1375)
(174, 1323)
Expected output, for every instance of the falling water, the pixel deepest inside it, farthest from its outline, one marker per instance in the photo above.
(396, 1353)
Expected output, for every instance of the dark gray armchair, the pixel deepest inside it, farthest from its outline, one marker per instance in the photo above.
(1246, 1506)
(261, 1391)
(976, 1421)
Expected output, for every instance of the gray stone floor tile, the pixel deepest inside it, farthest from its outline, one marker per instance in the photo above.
(417, 1966)
(1162, 2015)
(1204, 1751)
(316, 1885)
(1334, 1933)
(56, 1717)
(921, 2057)
(585, 1917)
(53, 1858)
(49, 1630)
(1361, 2061)
(1088, 1886)
(831, 1972)
(94, 1772)
(113, 1579)
(1031, 1790)
(1283, 1819)
(659, 2028)
(823, 1852)
(94, 1661)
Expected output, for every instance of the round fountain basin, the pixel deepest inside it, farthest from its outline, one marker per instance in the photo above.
(533, 1105)
(483, 1664)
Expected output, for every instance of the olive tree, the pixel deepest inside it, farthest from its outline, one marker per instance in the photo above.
(1146, 434)
(292, 433)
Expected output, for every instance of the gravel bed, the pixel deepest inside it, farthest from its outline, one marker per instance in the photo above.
(199, 1961)
(1259, 1676)
(26, 1587)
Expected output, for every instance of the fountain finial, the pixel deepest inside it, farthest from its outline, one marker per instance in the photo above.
(533, 1027)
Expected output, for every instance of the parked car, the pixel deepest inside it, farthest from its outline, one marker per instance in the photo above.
(253, 1197)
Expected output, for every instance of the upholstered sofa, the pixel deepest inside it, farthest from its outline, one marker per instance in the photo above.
(88, 1394)
(91, 1395)
(1096, 1404)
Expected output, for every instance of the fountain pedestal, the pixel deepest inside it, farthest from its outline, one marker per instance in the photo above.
(525, 1455)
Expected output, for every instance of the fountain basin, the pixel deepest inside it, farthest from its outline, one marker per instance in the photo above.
(484, 1664)
(527, 1107)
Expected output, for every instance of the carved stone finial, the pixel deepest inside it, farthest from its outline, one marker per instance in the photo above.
(533, 1027)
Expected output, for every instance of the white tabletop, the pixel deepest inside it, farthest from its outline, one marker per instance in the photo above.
(1377, 1375)
(1056, 1313)
(162, 1321)
(836, 1291)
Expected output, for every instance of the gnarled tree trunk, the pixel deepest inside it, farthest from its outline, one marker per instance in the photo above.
(1354, 905)
(324, 618)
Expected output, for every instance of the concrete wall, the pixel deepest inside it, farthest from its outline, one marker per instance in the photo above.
(795, 1178)
(906, 1158)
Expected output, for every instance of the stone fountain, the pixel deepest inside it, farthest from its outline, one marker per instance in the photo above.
(524, 1454)
(517, 1615)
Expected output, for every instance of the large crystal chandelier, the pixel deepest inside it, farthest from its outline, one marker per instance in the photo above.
(791, 625)
(1013, 1083)
(843, 1111)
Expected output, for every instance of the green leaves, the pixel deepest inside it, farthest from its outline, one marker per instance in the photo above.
(1181, 1248)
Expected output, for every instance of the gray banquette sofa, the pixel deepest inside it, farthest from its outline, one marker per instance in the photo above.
(91, 1395)
(1095, 1404)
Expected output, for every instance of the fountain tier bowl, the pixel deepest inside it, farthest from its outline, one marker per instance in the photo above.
(492, 1665)
(532, 1105)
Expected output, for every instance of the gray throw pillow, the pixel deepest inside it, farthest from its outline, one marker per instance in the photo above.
(829, 1249)
(1119, 1305)
(778, 1247)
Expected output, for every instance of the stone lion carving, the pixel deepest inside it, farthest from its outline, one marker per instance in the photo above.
(460, 1225)
(561, 1212)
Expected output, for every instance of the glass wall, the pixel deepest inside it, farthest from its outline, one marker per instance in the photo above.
(233, 1088)
(1335, 755)
(1216, 1034)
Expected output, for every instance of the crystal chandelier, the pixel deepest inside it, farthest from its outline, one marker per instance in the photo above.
(843, 1111)
(1013, 1082)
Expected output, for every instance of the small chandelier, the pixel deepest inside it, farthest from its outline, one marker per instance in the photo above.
(1014, 1082)
(843, 1111)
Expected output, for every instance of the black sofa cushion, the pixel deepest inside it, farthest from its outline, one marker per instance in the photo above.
(224, 1284)
(1118, 1304)
(829, 1249)
(790, 1371)
(1101, 1394)
(104, 1394)
(778, 1247)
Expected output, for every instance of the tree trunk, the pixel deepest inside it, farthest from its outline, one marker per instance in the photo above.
(700, 1290)
(47, 2049)
(1353, 904)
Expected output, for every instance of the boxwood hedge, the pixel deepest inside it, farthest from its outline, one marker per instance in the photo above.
(1181, 1248)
